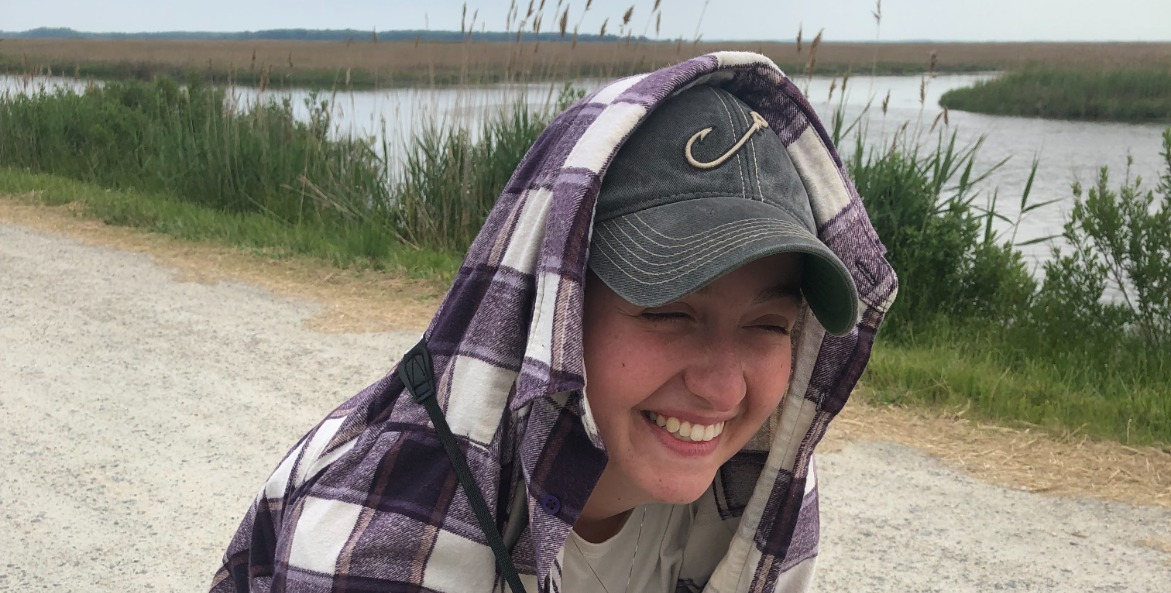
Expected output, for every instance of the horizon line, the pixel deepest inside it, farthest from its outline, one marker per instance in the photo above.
(552, 36)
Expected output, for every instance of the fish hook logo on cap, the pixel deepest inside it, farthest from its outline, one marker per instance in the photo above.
(758, 123)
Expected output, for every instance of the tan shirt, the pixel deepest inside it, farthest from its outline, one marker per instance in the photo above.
(644, 556)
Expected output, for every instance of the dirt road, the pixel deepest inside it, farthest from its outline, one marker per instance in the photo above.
(139, 413)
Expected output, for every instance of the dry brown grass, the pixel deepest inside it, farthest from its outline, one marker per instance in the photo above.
(468, 61)
(1066, 465)
(1022, 459)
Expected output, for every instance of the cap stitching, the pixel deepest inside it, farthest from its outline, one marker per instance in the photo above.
(756, 166)
(647, 272)
(712, 234)
(709, 248)
(640, 239)
(732, 124)
(626, 266)
(668, 199)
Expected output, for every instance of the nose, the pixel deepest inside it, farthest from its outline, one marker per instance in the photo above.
(715, 373)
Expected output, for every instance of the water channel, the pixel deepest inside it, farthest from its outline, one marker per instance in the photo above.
(1067, 151)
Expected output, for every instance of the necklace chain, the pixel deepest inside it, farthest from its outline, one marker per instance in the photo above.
(633, 557)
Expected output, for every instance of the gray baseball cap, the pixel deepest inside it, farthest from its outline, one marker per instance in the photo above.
(702, 187)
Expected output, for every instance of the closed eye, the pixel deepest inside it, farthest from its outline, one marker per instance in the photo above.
(777, 324)
(776, 329)
(662, 316)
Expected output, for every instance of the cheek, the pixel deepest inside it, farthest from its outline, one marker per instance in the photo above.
(614, 365)
(605, 364)
(623, 369)
(769, 382)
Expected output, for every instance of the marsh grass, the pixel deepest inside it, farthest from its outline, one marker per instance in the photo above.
(451, 179)
(368, 64)
(194, 143)
(1130, 93)
(188, 162)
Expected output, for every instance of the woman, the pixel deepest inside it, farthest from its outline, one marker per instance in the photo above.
(669, 302)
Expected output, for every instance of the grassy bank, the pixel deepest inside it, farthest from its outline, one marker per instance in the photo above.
(1133, 94)
(186, 161)
(985, 373)
(255, 233)
(367, 64)
(194, 144)
(972, 329)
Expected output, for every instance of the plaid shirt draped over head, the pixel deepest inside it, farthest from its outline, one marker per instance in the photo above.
(367, 500)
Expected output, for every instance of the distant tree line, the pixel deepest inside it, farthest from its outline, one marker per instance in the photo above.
(306, 35)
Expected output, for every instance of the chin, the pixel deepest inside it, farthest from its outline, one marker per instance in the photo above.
(681, 493)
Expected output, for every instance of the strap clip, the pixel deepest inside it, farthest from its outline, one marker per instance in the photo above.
(417, 373)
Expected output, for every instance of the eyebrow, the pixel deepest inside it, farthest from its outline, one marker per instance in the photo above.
(779, 292)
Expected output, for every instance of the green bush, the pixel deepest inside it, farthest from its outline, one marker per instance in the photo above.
(950, 265)
(1113, 283)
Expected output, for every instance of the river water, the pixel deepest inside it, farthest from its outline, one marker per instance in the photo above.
(1067, 151)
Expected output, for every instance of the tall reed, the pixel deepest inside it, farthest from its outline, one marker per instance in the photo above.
(451, 177)
(194, 143)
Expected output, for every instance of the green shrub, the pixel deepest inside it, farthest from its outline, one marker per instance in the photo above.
(1114, 282)
(950, 265)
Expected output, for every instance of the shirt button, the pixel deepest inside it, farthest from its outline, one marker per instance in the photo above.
(550, 503)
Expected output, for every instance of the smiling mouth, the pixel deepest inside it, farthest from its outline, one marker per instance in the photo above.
(684, 430)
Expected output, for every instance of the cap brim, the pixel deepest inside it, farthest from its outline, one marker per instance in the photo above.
(658, 255)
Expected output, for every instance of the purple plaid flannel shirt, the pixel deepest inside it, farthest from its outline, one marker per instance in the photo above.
(367, 500)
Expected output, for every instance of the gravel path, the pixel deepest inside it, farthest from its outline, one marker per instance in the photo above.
(138, 416)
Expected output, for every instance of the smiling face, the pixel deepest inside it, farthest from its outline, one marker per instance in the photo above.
(677, 390)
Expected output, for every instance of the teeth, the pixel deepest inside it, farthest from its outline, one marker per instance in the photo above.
(686, 431)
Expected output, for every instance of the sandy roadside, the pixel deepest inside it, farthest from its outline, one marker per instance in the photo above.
(145, 397)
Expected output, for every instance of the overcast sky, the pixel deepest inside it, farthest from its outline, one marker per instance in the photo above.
(961, 20)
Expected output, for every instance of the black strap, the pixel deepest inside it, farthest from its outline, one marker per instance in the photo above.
(418, 375)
